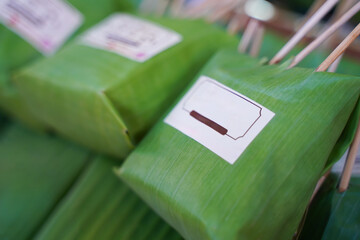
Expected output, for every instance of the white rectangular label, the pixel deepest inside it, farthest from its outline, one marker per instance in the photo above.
(131, 37)
(219, 118)
(46, 24)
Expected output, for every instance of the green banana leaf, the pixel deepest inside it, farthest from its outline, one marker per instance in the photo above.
(15, 52)
(106, 101)
(344, 222)
(334, 215)
(49, 189)
(264, 194)
(98, 207)
(35, 172)
(13, 104)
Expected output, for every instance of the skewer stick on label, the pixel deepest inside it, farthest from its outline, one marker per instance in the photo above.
(219, 118)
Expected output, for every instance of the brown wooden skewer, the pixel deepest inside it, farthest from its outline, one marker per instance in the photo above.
(258, 39)
(227, 17)
(344, 6)
(325, 35)
(248, 34)
(341, 9)
(223, 10)
(333, 67)
(198, 10)
(314, 7)
(319, 184)
(350, 161)
(339, 50)
(237, 23)
(150, 7)
(323, 10)
(176, 7)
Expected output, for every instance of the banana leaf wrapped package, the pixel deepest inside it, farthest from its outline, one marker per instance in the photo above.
(17, 51)
(35, 172)
(98, 207)
(240, 154)
(50, 189)
(335, 215)
(106, 89)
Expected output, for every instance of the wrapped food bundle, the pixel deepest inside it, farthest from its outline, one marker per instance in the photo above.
(106, 89)
(240, 154)
(30, 29)
(50, 189)
(98, 207)
(35, 172)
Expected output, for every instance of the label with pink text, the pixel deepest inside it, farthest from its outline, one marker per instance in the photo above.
(45, 24)
(131, 37)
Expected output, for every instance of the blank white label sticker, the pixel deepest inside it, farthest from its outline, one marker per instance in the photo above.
(46, 24)
(219, 118)
(131, 37)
